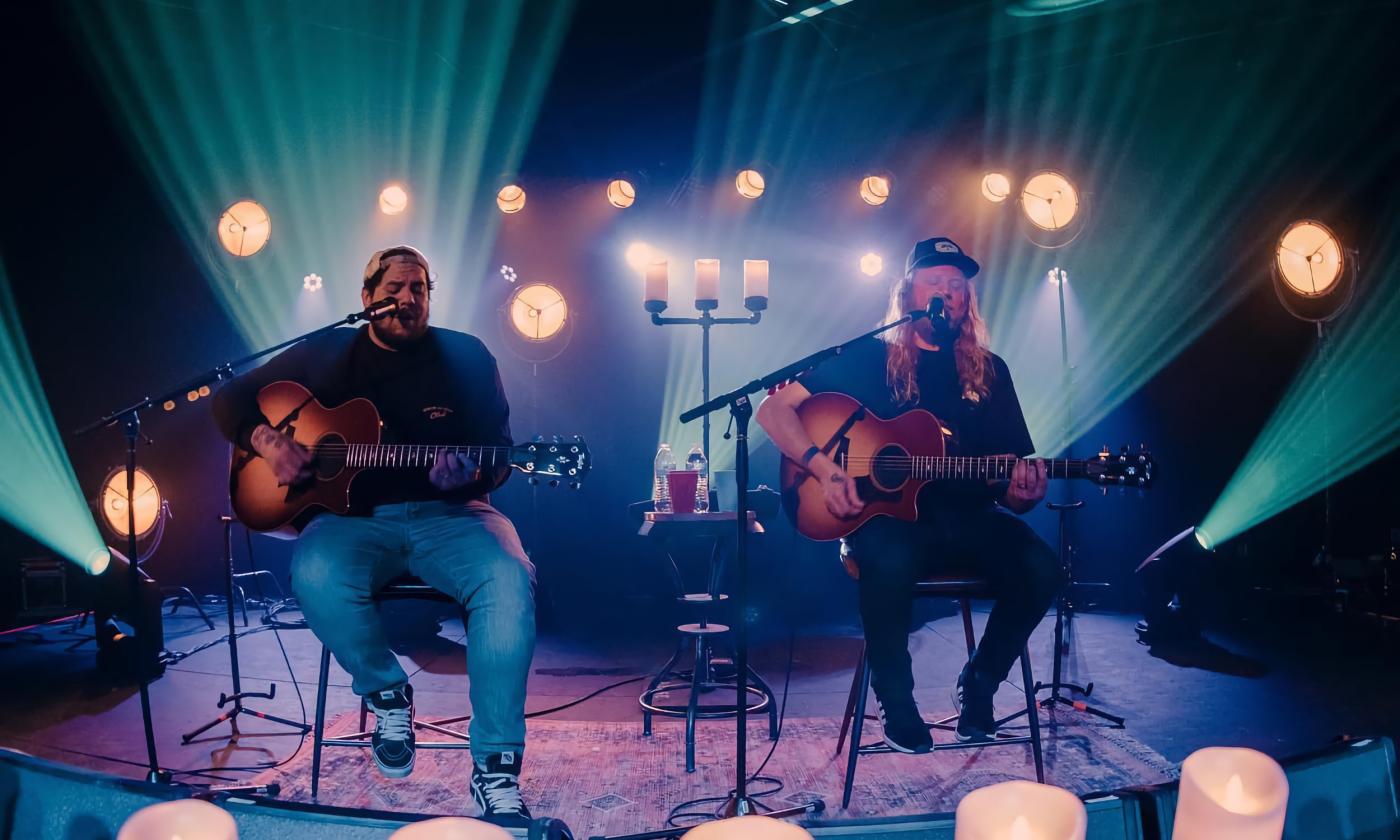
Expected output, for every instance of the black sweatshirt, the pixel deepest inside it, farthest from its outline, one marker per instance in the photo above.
(443, 389)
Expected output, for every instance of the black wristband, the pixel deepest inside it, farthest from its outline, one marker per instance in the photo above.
(809, 455)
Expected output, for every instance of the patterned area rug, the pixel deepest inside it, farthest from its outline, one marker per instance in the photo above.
(605, 778)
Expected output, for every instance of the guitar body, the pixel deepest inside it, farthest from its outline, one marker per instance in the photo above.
(258, 501)
(840, 426)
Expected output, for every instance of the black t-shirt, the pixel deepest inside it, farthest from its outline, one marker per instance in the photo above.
(442, 389)
(993, 425)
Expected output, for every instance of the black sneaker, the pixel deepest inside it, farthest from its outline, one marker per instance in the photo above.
(905, 730)
(496, 789)
(976, 719)
(393, 731)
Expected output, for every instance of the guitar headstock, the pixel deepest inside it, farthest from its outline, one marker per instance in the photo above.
(1122, 470)
(555, 460)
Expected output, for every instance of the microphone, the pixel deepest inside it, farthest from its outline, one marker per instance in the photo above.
(378, 309)
(937, 320)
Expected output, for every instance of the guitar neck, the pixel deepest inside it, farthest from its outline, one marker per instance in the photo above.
(990, 468)
(421, 455)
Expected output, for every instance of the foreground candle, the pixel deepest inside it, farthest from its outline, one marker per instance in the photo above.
(451, 828)
(750, 827)
(1230, 792)
(1020, 811)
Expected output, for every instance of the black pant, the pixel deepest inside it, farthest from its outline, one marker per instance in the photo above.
(893, 555)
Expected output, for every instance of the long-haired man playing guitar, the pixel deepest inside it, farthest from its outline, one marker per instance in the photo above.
(963, 526)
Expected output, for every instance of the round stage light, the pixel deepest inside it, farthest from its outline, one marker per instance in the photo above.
(1049, 201)
(749, 183)
(393, 200)
(244, 228)
(875, 190)
(871, 264)
(1309, 259)
(312, 282)
(511, 198)
(996, 187)
(538, 311)
(639, 255)
(621, 194)
(111, 500)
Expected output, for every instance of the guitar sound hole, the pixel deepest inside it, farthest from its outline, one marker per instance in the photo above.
(890, 469)
(328, 457)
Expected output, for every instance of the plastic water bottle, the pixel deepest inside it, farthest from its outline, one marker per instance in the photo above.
(660, 487)
(697, 461)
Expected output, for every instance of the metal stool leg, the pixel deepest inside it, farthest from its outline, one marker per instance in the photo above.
(690, 708)
(857, 724)
(758, 682)
(966, 607)
(657, 680)
(851, 700)
(1033, 714)
(319, 731)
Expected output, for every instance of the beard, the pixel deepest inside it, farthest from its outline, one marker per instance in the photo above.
(401, 328)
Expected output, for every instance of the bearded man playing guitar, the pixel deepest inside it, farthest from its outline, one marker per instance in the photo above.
(434, 387)
(947, 369)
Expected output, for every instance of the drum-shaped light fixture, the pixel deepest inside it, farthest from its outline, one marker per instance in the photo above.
(538, 311)
(875, 190)
(996, 187)
(112, 502)
(1050, 201)
(621, 193)
(511, 198)
(244, 228)
(393, 200)
(1313, 274)
(749, 183)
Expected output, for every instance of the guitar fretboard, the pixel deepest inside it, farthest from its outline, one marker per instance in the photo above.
(990, 468)
(411, 455)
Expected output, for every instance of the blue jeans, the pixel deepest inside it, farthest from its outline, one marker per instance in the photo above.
(469, 551)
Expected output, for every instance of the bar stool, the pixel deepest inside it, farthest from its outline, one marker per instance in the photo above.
(962, 588)
(701, 637)
(403, 588)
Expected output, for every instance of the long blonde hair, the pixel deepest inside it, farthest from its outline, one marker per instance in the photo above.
(970, 350)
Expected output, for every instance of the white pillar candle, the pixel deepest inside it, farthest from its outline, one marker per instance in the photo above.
(756, 285)
(657, 291)
(451, 828)
(706, 284)
(749, 827)
(1230, 792)
(1020, 811)
(188, 819)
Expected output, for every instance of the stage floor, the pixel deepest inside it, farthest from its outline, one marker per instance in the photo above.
(1283, 689)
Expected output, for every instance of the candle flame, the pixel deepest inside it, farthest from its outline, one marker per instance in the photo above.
(1235, 798)
(1021, 829)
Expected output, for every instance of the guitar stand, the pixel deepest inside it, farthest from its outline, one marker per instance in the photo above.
(1064, 627)
(236, 698)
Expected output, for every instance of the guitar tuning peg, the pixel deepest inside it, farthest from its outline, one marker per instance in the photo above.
(556, 439)
(574, 485)
(534, 481)
(538, 439)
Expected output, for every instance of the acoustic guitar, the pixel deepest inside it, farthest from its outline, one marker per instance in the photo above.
(891, 460)
(344, 441)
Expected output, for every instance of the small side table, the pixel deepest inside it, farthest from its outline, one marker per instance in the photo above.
(702, 635)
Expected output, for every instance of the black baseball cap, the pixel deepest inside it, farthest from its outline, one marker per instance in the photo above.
(940, 250)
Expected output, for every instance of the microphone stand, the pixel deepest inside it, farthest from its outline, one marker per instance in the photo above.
(739, 803)
(129, 418)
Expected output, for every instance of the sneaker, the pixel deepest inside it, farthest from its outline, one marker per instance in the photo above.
(393, 745)
(976, 719)
(905, 730)
(496, 788)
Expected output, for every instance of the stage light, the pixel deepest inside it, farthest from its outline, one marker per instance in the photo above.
(875, 190)
(1309, 258)
(244, 228)
(511, 199)
(1057, 277)
(871, 264)
(1049, 201)
(538, 311)
(996, 187)
(1204, 539)
(393, 200)
(312, 282)
(621, 193)
(508, 274)
(639, 255)
(111, 500)
(749, 183)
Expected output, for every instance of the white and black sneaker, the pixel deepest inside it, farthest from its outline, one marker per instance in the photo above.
(393, 744)
(904, 728)
(496, 789)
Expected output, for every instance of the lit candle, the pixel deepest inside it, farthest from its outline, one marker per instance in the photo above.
(756, 285)
(706, 284)
(657, 291)
(1020, 811)
(1229, 792)
(450, 828)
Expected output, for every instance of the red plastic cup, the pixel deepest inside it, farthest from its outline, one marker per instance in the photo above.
(682, 484)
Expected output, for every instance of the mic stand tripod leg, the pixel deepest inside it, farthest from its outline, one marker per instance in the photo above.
(238, 693)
